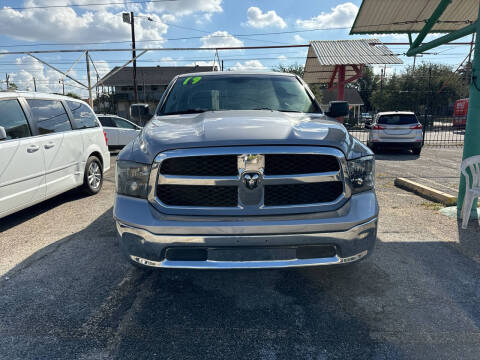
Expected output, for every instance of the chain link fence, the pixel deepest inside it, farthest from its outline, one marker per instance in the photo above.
(437, 130)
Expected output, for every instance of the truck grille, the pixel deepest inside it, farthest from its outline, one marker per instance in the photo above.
(198, 195)
(249, 180)
(284, 164)
(221, 165)
(293, 194)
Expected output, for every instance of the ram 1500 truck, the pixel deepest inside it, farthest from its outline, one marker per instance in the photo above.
(243, 170)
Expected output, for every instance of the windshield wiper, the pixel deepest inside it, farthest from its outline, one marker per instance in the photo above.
(187, 111)
(280, 110)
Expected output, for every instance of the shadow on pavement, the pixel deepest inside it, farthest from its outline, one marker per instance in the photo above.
(395, 155)
(40, 208)
(79, 298)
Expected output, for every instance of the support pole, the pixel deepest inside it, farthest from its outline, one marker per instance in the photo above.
(34, 84)
(341, 85)
(134, 56)
(341, 82)
(430, 22)
(471, 145)
(90, 99)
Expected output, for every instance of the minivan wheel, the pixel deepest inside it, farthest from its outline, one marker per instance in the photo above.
(93, 177)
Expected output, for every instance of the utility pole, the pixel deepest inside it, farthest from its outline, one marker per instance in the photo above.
(134, 55)
(7, 78)
(381, 88)
(34, 84)
(90, 99)
(469, 66)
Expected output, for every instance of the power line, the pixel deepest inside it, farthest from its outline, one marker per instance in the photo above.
(83, 5)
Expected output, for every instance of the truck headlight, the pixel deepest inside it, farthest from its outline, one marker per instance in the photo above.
(132, 179)
(362, 173)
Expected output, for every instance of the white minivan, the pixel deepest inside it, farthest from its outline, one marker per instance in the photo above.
(48, 144)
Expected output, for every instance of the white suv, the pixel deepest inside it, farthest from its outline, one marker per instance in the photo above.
(396, 129)
(48, 144)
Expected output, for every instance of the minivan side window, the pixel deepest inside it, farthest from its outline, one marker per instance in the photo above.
(49, 115)
(107, 121)
(13, 119)
(83, 117)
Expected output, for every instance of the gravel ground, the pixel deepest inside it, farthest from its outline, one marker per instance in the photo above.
(67, 293)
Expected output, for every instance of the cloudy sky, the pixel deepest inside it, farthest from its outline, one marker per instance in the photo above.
(36, 25)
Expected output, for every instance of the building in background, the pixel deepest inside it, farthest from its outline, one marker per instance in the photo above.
(351, 95)
(151, 83)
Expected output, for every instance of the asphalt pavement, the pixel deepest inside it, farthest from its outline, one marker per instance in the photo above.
(66, 292)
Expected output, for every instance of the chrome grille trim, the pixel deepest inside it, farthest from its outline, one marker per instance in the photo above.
(245, 207)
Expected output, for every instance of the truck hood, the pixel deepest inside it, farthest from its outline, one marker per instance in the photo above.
(239, 128)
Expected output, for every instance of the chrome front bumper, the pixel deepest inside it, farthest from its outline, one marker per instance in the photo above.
(145, 234)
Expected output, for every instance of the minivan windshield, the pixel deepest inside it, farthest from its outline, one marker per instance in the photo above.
(397, 119)
(195, 94)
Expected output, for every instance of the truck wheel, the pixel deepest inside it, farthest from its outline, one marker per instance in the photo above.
(93, 176)
(417, 151)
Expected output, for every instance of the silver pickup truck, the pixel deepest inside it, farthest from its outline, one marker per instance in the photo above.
(243, 170)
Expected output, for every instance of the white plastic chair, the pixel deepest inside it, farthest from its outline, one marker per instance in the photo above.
(471, 190)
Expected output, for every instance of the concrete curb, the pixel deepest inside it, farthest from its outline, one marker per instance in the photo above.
(426, 191)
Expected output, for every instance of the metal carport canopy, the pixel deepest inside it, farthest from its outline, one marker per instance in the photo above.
(457, 18)
(410, 16)
(323, 57)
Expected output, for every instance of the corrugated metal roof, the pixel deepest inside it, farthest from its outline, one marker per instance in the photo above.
(151, 75)
(363, 51)
(395, 16)
(324, 55)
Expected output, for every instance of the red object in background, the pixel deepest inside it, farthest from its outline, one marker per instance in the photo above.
(460, 110)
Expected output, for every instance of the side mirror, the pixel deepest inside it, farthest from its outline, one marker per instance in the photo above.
(3, 133)
(337, 109)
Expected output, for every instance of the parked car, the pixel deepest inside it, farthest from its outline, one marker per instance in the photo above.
(460, 111)
(396, 129)
(119, 131)
(366, 118)
(243, 170)
(48, 144)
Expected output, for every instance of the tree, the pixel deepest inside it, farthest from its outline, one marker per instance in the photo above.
(430, 88)
(12, 86)
(368, 83)
(296, 69)
(73, 95)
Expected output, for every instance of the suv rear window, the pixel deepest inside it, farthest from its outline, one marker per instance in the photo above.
(13, 120)
(49, 115)
(400, 119)
(83, 117)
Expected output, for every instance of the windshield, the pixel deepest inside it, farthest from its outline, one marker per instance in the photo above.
(192, 94)
(397, 119)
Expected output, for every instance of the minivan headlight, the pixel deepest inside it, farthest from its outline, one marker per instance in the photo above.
(361, 172)
(132, 179)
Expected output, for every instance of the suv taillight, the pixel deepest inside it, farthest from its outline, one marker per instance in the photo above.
(106, 140)
(378, 127)
(416, 127)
